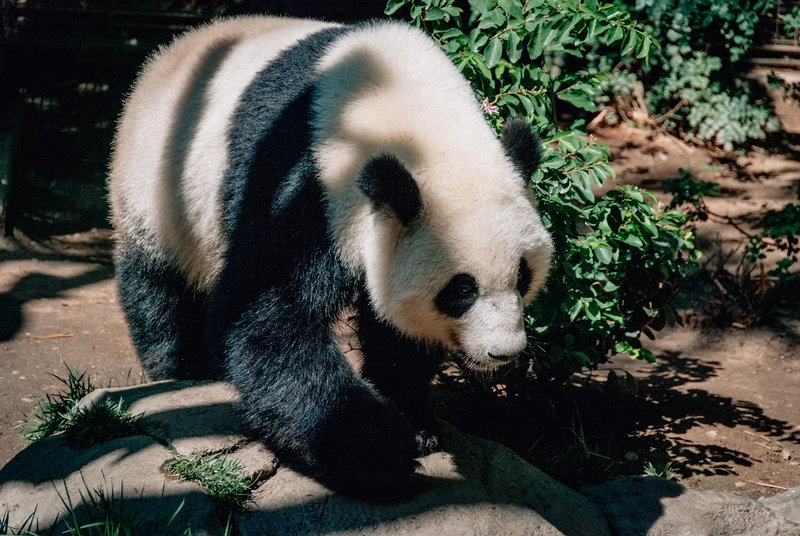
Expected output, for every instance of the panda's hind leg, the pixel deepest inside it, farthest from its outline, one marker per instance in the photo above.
(166, 318)
(401, 369)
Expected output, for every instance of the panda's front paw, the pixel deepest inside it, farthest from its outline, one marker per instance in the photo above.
(367, 449)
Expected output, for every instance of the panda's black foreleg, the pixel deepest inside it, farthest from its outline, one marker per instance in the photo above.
(401, 369)
(299, 392)
(166, 319)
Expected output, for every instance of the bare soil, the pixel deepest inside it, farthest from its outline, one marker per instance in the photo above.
(721, 403)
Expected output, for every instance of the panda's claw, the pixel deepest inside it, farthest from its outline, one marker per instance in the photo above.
(427, 442)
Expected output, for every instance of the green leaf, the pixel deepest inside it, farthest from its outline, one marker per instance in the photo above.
(581, 357)
(528, 104)
(628, 43)
(493, 53)
(604, 254)
(536, 46)
(452, 33)
(575, 310)
(513, 47)
(512, 7)
(435, 13)
(616, 35)
(393, 5)
(484, 70)
(634, 241)
(579, 99)
(644, 48)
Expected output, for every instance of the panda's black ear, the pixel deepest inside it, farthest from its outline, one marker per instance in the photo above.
(521, 145)
(390, 186)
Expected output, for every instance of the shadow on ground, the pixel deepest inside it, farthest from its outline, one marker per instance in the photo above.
(34, 286)
(590, 431)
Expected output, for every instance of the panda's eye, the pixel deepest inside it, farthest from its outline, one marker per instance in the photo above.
(524, 277)
(466, 289)
(457, 296)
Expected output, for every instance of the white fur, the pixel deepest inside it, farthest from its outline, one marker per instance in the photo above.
(179, 205)
(383, 88)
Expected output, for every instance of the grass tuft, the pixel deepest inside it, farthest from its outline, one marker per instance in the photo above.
(53, 413)
(84, 427)
(101, 422)
(221, 477)
(661, 470)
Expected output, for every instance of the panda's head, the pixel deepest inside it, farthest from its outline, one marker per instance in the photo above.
(451, 260)
(423, 200)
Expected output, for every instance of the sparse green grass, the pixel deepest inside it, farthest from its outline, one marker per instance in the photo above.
(103, 512)
(29, 527)
(54, 412)
(661, 470)
(83, 427)
(580, 464)
(221, 477)
(100, 423)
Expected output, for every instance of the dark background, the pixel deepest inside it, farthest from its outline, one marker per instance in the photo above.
(65, 67)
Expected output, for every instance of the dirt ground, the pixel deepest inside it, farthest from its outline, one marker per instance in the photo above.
(721, 403)
(729, 397)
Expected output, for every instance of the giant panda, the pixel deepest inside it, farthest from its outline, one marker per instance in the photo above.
(270, 174)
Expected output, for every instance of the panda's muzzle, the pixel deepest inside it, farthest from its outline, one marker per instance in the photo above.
(503, 358)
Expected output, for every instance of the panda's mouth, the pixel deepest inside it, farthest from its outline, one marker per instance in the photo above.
(484, 363)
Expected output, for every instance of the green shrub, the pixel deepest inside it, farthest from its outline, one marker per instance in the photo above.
(780, 232)
(618, 257)
(696, 85)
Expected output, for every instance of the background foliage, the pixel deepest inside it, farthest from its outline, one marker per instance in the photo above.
(618, 257)
(694, 85)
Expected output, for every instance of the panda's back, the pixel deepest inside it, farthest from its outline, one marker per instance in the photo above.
(172, 144)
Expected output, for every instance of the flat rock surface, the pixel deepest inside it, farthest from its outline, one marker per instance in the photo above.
(475, 487)
(649, 506)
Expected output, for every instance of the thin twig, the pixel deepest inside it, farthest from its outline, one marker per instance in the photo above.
(55, 336)
(768, 440)
(727, 219)
(768, 485)
(597, 119)
(674, 109)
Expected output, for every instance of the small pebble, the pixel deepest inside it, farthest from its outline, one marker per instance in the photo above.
(740, 484)
(631, 456)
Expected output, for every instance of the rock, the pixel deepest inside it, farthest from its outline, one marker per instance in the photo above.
(650, 506)
(47, 475)
(191, 416)
(476, 487)
(786, 504)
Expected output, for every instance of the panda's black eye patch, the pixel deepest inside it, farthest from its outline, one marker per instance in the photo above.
(524, 277)
(457, 296)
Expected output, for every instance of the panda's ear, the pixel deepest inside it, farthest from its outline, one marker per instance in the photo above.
(521, 145)
(390, 186)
